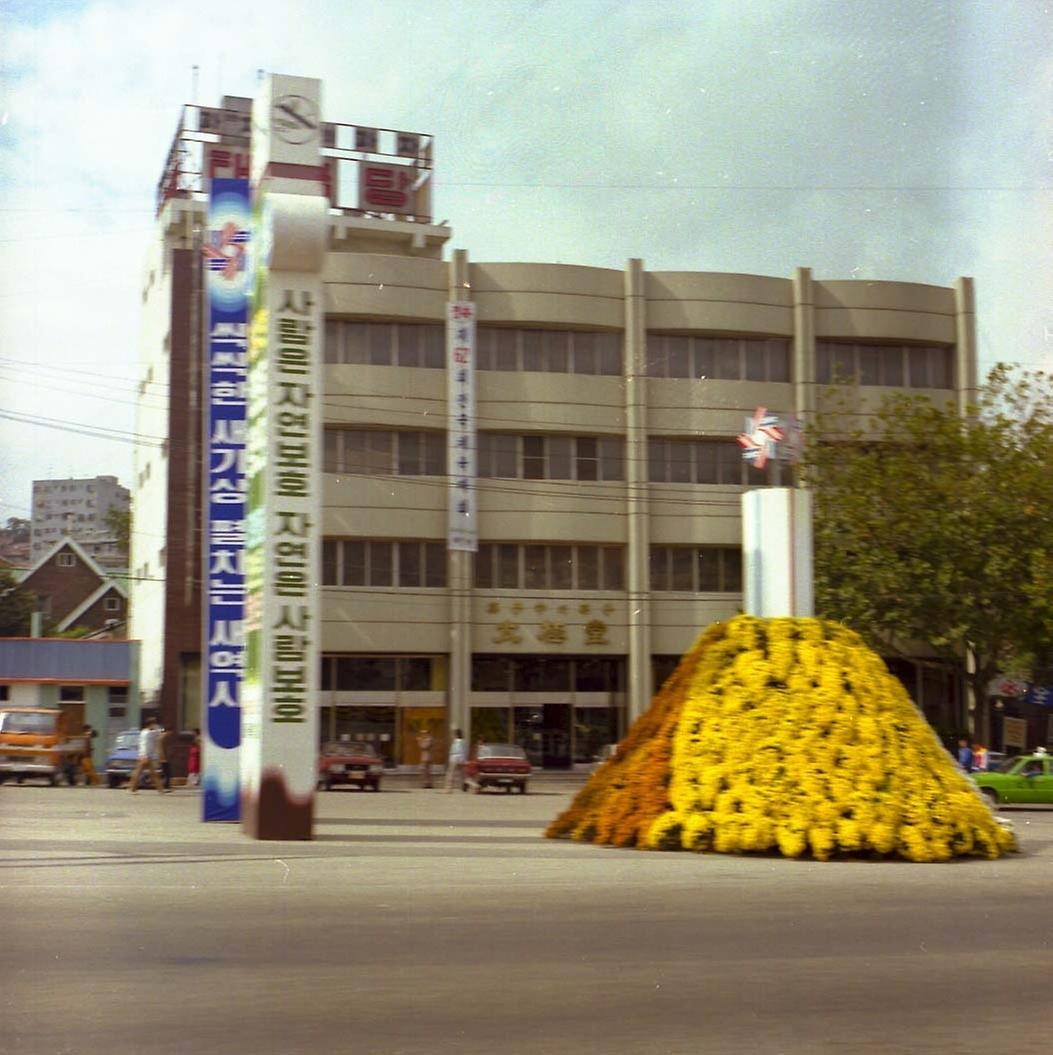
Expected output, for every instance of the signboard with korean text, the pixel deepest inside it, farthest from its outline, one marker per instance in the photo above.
(282, 625)
(282, 532)
(462, 529)
(227, 283)
(387, 188)
(1014, 732)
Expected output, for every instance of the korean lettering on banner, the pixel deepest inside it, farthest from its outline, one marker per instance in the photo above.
(292, 512)
(227, 281)
(462, 532)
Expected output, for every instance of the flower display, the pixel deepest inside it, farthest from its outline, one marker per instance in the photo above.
(784, 736)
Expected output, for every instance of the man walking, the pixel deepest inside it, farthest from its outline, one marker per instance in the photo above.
(455, 761)
(149, 752)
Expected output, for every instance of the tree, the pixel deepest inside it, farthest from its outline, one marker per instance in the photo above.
(119, 521)
(18, 529)
(16, 607)
(938, 527)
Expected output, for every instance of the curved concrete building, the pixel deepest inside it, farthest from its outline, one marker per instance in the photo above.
(609, 478)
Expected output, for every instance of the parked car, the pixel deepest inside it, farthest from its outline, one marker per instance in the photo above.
(120, 762)
(349, 762)
(498, 766)
(1026, 778)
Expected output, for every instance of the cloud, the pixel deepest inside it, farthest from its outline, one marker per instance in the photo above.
(872, 139)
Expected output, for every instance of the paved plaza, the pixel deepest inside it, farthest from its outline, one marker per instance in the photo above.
(424, 922)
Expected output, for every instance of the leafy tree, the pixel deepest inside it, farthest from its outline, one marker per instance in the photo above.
(18, 529)
(16, 607)
(938, 527)
(119, 521)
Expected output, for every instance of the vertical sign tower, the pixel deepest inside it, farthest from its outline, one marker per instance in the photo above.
(282, 624)
(227, 281)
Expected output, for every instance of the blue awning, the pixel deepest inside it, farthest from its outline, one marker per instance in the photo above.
(66, 661)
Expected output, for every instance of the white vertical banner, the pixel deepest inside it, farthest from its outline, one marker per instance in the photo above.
(462, 524)
(283, 529)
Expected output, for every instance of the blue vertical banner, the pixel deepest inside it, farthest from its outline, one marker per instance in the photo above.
(228, 276)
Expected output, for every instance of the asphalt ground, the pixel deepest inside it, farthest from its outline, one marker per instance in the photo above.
(418, 922)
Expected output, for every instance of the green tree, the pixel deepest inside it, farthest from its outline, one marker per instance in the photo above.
(16, 607)
(119, 521)
(936, 526)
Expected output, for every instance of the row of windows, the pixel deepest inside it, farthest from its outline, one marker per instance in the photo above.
(695, 462)
(895, 365)
(547, 674)
(376, 673)
(721, 358)
(358, 562)
(385, 343)
(536, 457)
(379, 453)
(696, 569)
(508, 457)
(668, 355)
(529, 566)
(549, 351)
(509, 566)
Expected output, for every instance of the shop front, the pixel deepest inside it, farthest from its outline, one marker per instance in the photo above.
(561, 710)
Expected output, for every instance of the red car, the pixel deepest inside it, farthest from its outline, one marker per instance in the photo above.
(349, 762)
(498, 766)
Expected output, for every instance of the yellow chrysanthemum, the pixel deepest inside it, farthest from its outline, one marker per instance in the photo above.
(785, 735)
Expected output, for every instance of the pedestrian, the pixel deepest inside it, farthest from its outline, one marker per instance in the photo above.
(965, 755)
(193, 761)
(164, 756)
(979, 757)
(455, 762)
(149, 753)
(87, 765)
(424, 742)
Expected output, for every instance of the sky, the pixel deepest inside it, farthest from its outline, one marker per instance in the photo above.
(872, 139)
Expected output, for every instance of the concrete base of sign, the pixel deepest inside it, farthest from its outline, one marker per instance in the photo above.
(275, 814)
(777, 552)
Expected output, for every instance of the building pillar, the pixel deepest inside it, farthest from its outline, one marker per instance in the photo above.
(638, 614)
(803, 344)
(965, 380)
(459, 570)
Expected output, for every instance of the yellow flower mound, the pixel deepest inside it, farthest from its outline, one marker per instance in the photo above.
(791, 737)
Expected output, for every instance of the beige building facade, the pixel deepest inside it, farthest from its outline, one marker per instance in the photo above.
(608, 403)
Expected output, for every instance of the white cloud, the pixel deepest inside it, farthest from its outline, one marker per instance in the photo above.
(695, 136)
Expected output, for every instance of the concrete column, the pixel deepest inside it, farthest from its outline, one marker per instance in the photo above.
(803, 344)
(459, 570)
(965, 368)
(640, 687)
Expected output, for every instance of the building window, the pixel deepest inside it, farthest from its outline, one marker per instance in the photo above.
(66, 560)
(5, 693)
(718, 358)
(372, 452)
(385, 343)
(543, 457)
(696, 569)
(376, 562)
(710, 461)
(889, 365)
(376, 673)
(71, 693)
(112, 604)
(589, 352)
(514, 566)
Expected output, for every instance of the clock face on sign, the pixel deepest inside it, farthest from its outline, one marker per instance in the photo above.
(295, 119)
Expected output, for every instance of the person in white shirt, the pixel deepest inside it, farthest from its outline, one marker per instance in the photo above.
(149, 753)
(455, 761)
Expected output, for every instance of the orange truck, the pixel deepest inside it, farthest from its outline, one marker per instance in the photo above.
(35, 742)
